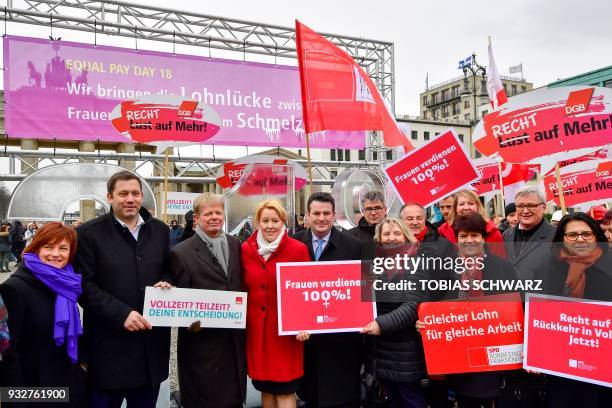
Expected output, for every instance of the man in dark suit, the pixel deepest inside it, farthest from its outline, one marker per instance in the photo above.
(211, 362)
(332, 362)
(528, 246)
(119, 255)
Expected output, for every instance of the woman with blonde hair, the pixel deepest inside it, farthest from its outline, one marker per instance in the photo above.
(466, 203)
(274, 363)
(394, 352)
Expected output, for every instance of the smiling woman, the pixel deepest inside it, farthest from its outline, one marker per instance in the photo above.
(44, 318)
(579, 266)
(274, 363)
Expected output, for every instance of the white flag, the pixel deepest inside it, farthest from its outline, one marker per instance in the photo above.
(495, 89)
(516, 68)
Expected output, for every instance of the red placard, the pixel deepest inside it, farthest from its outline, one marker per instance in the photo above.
(594, 155)
(321, 297)
(512, 173)
(473, 336)
(580, 187)
(569, 337)
(433, 171)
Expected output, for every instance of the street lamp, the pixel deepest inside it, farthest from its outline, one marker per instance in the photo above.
(474, 68)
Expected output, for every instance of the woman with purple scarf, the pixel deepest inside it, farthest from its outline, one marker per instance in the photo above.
(43, 317)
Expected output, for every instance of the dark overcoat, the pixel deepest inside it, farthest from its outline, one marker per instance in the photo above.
(211, 362)
(33, 359)
(332, 362)
(116, 270)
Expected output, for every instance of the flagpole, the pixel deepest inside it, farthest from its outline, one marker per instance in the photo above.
(560, 189)
(501, 185)
(298, 46)
(165, 195)
(309, 166)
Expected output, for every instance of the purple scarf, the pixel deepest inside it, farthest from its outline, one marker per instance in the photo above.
(67, 285)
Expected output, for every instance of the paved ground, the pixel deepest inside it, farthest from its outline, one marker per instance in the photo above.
(171, 386)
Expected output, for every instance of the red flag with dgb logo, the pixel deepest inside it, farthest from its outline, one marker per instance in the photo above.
(337, 94)
(433, 171)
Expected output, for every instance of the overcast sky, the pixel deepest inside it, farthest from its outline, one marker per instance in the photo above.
(554, 39)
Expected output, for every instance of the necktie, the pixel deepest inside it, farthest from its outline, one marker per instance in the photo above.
(318, 249)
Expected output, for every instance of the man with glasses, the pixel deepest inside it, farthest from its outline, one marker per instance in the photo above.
(528, 243)
(528, 246)
(374, 211)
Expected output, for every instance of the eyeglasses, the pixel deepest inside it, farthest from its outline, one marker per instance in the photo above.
(530, 207)
(573, 236)
(373, 209)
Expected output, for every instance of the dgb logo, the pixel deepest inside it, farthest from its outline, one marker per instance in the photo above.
(578, 101)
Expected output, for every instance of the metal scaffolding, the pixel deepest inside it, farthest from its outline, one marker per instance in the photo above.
(206, 166)
(143, 22)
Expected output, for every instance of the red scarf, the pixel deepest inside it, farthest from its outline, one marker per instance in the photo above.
(421, 235)
(576, 277)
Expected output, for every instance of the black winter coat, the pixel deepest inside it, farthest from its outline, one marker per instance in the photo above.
(364, 232)
(396, 355)
(116, 270)
(332, 362)
(483, 385)
(438, 247)
(598, 285)
(565, 392)
(33, 359)
(211, 362)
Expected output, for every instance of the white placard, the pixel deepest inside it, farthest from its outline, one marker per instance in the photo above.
(180, 203)
(179, 307)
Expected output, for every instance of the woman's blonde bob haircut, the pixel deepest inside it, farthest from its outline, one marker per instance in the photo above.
(401, 224)
(271, 205)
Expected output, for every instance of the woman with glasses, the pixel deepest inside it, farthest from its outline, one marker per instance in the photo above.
(580, 266)
(466, 203)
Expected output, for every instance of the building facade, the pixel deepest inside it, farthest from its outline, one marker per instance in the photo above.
(454, 99)
(598, 77)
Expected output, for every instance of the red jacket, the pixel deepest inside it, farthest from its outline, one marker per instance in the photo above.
(270, 357)
(493, 237)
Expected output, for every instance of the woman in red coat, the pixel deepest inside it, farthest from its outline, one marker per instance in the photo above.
(466, 203)
(274, 363)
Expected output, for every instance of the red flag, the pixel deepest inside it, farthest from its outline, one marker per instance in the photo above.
(337, 94)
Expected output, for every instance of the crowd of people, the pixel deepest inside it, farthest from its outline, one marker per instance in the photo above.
(15, 237)
(115, 354)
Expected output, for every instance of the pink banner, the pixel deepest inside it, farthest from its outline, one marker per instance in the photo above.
(67, 90)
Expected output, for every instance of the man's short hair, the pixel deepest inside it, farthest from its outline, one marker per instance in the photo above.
(408, 204)
(323, 198)
(121, 175)
(373, 196)
(530, 190)
(207, 199)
